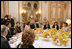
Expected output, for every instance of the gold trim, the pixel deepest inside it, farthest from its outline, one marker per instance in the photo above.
(56, 13)
(8, 7)
(62, 14)
(22, 4)
(67, 11)
(41, 11)
(23, 18)
(19, 11)
(52, 12)
(3, 9)
(48, 9)
(49, 12)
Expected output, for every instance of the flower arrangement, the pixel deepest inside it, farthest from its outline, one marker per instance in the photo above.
(69, 35)
(46, 36)
(69, 25)
(62, 32)
(60, 39)
(53, 31)
(39, 31)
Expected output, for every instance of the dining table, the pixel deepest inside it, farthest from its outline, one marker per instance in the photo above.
(38, 43)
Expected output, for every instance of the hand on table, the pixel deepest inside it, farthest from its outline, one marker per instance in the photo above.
(11, 42)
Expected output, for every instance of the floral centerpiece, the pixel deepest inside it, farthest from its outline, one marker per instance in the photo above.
(60, 39)
(55, 38)
(39, 31)
(53, 31)
(69, 34)
(46, 36)
(64, 40)
(62, 32)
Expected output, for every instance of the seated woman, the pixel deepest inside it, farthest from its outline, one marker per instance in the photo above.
(46, 26)
(65, 27)
(55, 25)
(17, 28)
(26, 24)
(28, 37)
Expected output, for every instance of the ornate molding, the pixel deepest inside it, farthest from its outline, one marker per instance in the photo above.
(31, 9)
(6, 7)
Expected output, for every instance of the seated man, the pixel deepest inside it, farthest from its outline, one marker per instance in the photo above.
(4, 32)
(5, 19)
(10, 31)
(34, 25)
(17, 28)
(11, 20)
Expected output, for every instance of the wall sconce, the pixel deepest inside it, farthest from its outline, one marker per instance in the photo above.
(38, 12)
(31, 16)
(23, 12)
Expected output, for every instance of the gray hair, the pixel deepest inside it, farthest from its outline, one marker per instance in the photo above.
(3, 29)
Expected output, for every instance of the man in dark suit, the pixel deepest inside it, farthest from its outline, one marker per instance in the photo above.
(2, 21)
(34, 26)
(10, 30)
(11, 20)
(4, 41)
(5, 20)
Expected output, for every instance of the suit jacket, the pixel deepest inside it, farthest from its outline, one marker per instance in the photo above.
(24, 25)
(2, 21)
(56, 28)
(32, 26)
(46, 27)
(12, 22)
(5, 21)
(4, 43)
(10, 34)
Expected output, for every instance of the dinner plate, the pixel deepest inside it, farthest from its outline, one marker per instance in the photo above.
(46, 39)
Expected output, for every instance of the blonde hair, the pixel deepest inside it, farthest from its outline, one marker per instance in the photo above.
(28, 37)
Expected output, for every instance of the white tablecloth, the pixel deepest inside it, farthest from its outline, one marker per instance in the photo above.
(40, 43)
